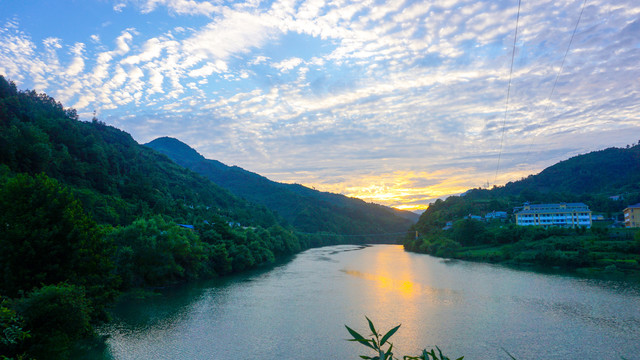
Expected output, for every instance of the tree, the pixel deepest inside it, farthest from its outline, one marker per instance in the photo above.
(56, 317)
(469, 232)
(155, 252)
(47, 238)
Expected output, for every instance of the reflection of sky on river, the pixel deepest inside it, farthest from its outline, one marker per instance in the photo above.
(299, 309)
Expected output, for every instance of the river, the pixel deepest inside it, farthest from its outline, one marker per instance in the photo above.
(298, 309)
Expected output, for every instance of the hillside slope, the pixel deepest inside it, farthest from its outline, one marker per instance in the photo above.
(117, 179)
(306, 209)
(593, 178)
(609, 171)
(87, 213)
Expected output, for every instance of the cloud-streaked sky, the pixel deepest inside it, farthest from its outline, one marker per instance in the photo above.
(396, 102)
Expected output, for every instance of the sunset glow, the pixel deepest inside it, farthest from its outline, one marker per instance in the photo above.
(393, 102)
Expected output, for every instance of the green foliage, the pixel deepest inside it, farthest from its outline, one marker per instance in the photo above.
(116, 179)
(47, 238)
(377, 341)
(153, 252)
(86, 211)
(308, 210)
(12, 332)
(606, 172)
(586, 250)
(56, 317)
(470, 232)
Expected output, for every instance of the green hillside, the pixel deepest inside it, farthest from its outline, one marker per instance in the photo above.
(607, 181)
(606, 172)
(88, 214)
(306, 209)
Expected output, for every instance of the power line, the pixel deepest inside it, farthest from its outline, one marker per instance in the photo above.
(506, 108)
(558, 74)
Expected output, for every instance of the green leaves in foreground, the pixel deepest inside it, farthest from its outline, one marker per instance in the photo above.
(376, 343)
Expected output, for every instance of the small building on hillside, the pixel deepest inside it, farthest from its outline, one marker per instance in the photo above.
(448, 225)
(496, 215)
(632, 216)
(562, 214)
(474, 217)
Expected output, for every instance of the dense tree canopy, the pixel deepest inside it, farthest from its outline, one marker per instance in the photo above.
(47, 238)
(87, 213)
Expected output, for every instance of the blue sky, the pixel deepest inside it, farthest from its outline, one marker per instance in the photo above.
(395, 102)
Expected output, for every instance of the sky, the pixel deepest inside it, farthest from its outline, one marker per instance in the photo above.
(394, 102)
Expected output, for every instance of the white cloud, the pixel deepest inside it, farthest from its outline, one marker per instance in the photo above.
(234, 33)
(151, 50)
(287, 64)
(412, 78)
(218, 66)
(77, 65)
(119, 7)
(181, 7)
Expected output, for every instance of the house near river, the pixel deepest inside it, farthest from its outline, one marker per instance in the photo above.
(561, 214)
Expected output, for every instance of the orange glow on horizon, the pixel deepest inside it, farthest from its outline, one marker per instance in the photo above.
(409, 190)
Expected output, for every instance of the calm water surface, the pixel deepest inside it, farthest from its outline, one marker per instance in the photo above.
(298, 311)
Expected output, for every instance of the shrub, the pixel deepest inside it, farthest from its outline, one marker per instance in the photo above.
(56, 317)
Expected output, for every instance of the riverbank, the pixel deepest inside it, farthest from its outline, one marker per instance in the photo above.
(612, 253)
(298, 309)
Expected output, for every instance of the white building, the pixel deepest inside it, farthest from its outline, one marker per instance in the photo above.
(565, 215)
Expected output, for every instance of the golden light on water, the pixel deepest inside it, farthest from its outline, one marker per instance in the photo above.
(404, 287)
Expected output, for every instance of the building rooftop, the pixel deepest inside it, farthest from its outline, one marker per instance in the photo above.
(553, 208)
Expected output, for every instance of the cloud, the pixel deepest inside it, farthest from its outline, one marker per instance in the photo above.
(209, 68)
(234, 33)
(395, 102)
(151, 50)
(77, 65)
(179, 7)
(287, 64)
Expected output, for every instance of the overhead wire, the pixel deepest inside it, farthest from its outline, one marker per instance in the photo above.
(504, 121)
(558, 74)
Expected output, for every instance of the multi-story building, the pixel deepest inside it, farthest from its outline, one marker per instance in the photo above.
(565, 215)
(632, 216)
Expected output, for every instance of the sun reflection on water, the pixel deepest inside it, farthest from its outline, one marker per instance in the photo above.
(404, 286)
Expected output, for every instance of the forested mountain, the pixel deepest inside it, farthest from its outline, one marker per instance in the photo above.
(595, 178)
(607, 181)
(606, 172)
(306, 209)
(87, 213)
(116, 179)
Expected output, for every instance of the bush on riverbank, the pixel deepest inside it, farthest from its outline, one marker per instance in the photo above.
(596, 250)
(61, 270)
(376, 342)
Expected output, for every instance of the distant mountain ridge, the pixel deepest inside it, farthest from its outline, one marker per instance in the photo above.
(609, 171)
(606, 180)
(306, 209)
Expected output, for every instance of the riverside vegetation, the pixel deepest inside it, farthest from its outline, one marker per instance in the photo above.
(376, 342)
(88, 215)
(600, 250)
(607, 181)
